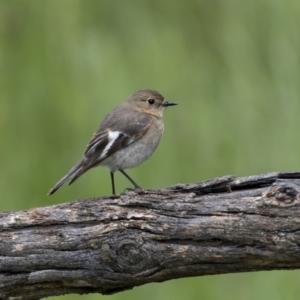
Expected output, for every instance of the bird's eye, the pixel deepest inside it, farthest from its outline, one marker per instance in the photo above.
(150, 101)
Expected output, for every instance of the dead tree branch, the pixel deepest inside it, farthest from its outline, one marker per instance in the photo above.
(106, 245)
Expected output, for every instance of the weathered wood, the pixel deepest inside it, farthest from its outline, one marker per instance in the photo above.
(106, 245)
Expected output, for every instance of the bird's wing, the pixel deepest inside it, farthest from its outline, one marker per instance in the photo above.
(116, 135)
(112, 136)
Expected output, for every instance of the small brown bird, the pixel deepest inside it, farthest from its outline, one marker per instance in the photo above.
(127, 137)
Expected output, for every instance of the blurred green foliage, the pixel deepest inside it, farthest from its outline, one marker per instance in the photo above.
(233, 66)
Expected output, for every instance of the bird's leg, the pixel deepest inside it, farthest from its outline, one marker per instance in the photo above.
(130, 179)
(112, 182)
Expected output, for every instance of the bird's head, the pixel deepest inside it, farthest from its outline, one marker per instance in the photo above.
(150, 102)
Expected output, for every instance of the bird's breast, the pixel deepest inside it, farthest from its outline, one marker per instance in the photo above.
(138, 151)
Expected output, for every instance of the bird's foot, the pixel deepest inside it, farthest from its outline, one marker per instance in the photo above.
(137, 190)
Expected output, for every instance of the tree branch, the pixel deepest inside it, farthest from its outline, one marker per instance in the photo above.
(106, 245)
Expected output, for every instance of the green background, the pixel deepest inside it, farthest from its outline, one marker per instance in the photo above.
(233, 67)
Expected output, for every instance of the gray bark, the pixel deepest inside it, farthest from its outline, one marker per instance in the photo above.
(109, 244)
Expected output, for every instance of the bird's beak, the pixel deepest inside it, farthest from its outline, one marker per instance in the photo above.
(169, 103)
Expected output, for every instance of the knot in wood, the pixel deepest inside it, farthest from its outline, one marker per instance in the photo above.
(283, 194)
(127, 251)
(132, 256)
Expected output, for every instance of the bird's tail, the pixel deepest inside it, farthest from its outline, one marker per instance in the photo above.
(72, 173)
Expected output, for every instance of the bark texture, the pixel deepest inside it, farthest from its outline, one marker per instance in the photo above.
(106, 245)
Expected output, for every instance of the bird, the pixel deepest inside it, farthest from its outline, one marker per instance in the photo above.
(127, 136)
